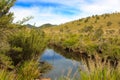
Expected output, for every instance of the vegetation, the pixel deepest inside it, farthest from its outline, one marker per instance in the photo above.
(96, 38)
(20, 46)
(5, 16)
(93, 37)
(47, 25)
(99, 73)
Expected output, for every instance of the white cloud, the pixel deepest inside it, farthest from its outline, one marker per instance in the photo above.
(44, 15)
(101, 6)
(41, 15)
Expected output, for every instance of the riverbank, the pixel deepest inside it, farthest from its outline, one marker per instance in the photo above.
(78, 55)
(95, 35)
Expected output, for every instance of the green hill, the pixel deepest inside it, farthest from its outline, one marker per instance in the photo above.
(47, 25)
(97, 35)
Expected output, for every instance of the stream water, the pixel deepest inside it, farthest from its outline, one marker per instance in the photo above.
(61, 66)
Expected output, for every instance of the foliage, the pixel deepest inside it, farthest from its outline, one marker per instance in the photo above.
(100, 71)
(24, 20)
(98, 33)
(70, 41)
(109, 23)
(91, 37)
(25, 44)
(5, 62)
(6, 75)
(28, 71)
(87, 28)
(6, 17)
(101, 74)
(18, 45)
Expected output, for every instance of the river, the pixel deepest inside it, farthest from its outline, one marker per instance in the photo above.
(62, 66)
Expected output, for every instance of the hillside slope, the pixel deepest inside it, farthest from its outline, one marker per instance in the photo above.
(95, 35)
(105, 21)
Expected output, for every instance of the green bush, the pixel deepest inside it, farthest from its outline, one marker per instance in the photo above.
(97, 17)
(25, 44)
(86, 20)
(109, 23)
(5, 62)
(72, 40)
(28, 71)
(98, 33)
(87, 29)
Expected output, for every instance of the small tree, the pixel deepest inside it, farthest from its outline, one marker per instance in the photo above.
(6, 17)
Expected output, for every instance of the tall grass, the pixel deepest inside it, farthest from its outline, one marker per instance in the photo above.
(101, 71)
(6, 75)
(101, 74)
(28, 71)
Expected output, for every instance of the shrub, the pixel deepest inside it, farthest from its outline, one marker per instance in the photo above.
(106, 15)
(80, 19)
(26, 44)
(110, 31)
(28, 71)
(86, 20)
(109, 23)
(97, 18)
(119, 31)
(87, 29)
(70, 41)
(98, 33)
(78, 24)
(61, 30)
(95, 21)
(119, 23)
(66, 26)
(5, 62)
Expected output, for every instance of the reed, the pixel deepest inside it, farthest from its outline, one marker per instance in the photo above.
(101, 71)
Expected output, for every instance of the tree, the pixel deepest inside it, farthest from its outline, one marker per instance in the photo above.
(6, 17)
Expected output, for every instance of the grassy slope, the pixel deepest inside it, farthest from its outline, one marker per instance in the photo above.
(76, 25)
(95, 34)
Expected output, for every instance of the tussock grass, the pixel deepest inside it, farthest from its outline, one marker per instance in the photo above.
(100, 71)
(101, 37)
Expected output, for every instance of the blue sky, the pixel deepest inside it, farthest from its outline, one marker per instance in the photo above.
(61, 11)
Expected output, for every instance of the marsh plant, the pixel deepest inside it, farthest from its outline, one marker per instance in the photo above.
(101, 71)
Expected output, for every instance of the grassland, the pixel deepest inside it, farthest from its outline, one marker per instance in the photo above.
(95, 35)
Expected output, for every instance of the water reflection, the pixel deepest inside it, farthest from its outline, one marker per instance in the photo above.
(61, 65)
